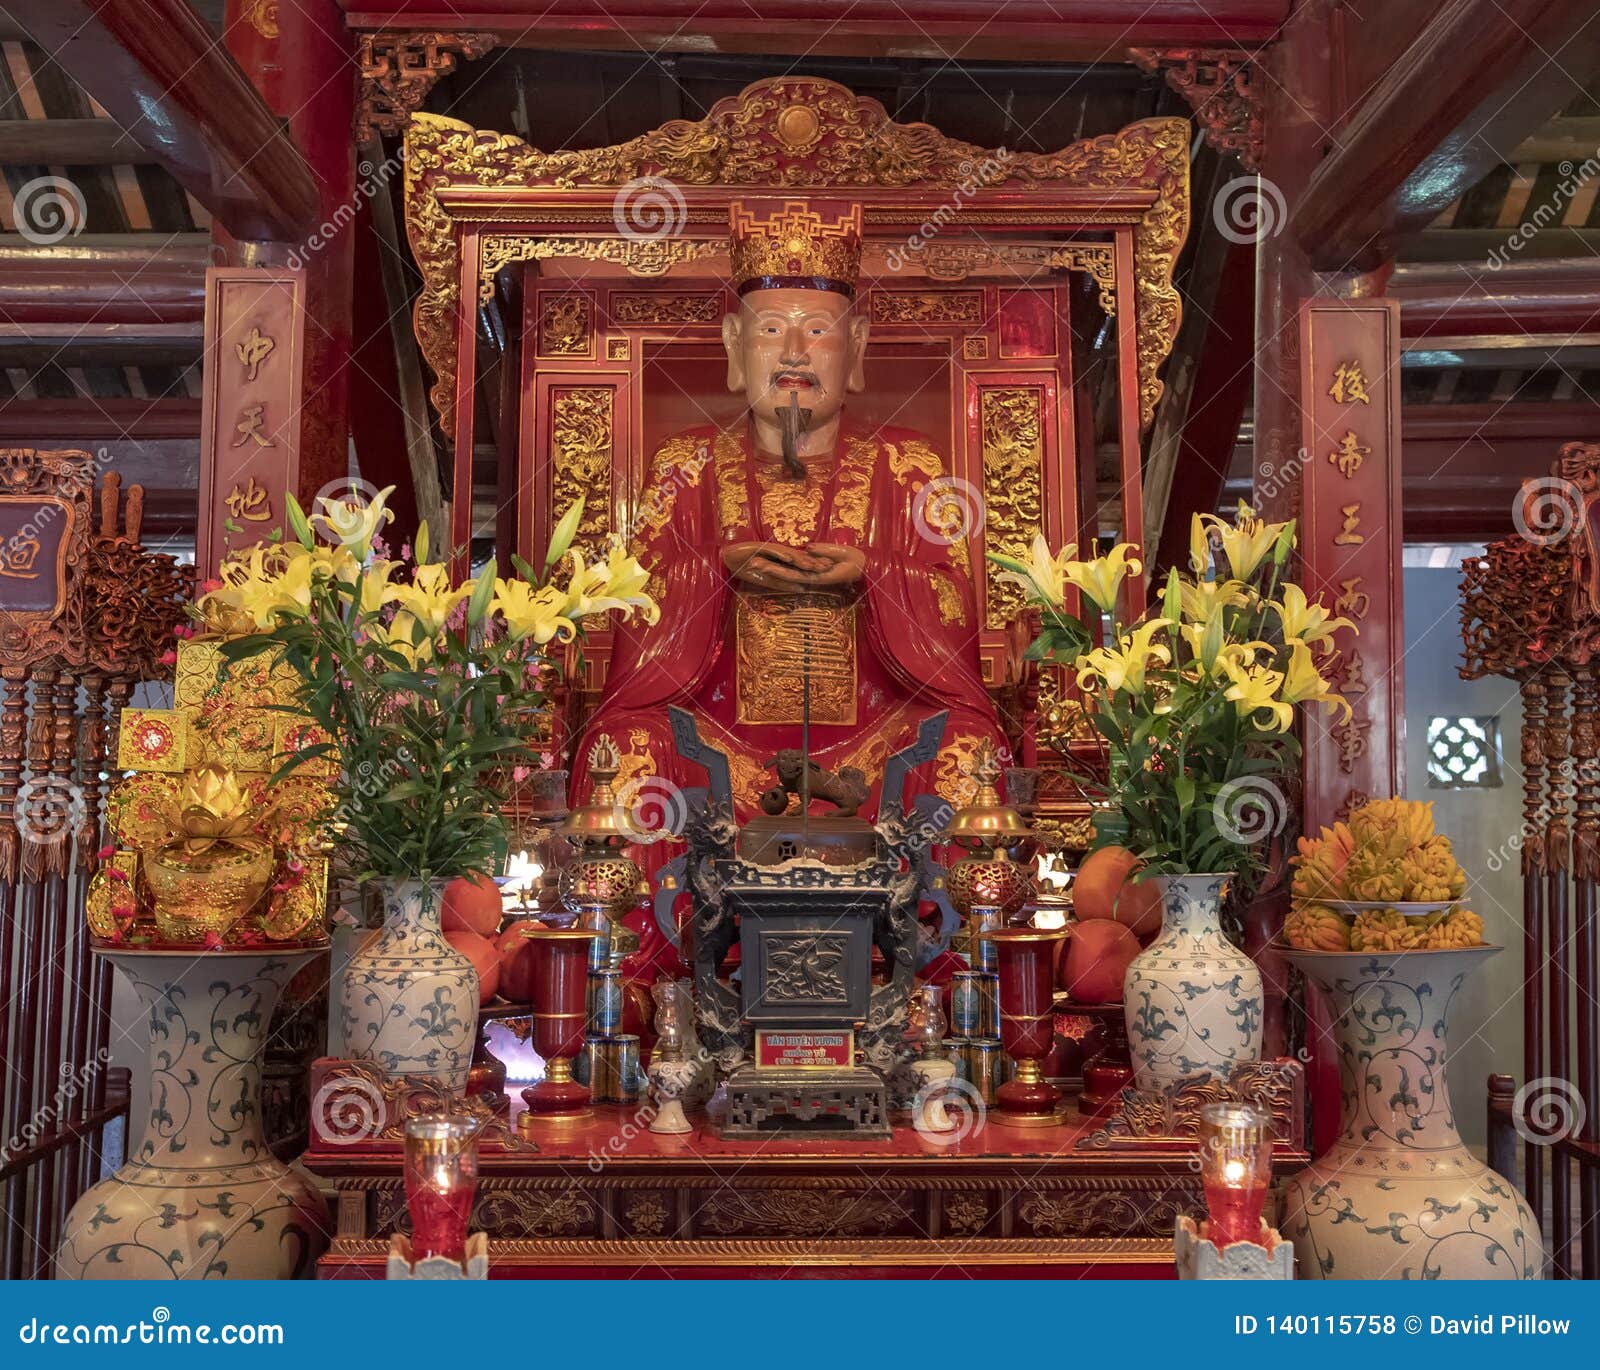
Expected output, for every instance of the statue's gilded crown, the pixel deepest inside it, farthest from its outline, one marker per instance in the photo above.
(789, 244)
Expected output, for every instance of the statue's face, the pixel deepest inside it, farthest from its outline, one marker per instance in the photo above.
(785, 343)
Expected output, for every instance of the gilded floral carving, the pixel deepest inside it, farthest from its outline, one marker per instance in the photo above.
(1012, 429)
(739, 144)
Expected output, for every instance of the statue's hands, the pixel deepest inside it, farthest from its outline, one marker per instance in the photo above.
(844, 565)
(773, 566)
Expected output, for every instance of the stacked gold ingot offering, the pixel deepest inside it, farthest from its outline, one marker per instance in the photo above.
(209, 848)
(1385, 881)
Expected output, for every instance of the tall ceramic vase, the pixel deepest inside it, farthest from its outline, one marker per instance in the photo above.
(1398, 1197)
(203, 1198)
(409, 1000)
(1192, 999)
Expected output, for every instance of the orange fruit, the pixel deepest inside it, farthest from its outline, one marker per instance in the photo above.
(516, 962)
(471, 905)
(1096, 959)
(1100, 881)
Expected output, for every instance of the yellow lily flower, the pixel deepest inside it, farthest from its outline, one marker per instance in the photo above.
(1124, 668)
(429, 599)
(1043, 576)
(286, 595)
(375, 587)
(1205, 598)
(1253, 693)
(353, 524)
(626, 579)
(1306, 620)
(530, 613)
(1304, 684)
(1199, 546)
(1247, 542)
(404, 635)
(1101, 578)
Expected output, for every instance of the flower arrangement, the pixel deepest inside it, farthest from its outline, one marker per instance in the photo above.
(425, 690)
(1387, 854)
(1195, 698)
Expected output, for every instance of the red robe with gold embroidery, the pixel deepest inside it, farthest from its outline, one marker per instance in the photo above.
(915, 615)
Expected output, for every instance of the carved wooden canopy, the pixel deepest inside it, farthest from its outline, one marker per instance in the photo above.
(494, 196)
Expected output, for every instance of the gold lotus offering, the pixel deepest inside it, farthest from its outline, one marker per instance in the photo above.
(213, 874)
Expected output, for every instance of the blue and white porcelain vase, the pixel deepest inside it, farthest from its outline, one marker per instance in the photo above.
(1192, 1000)
(408, 999)
(202, 1198)
(1398, 1197)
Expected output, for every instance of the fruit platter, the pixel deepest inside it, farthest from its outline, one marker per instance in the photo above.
(1382, 881)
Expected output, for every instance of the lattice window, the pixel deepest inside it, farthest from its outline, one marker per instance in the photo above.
(1463, 752)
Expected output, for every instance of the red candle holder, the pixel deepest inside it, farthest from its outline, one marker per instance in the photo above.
(1026, 965)
(441, 1177)
(560, 977)
(1235, 1171)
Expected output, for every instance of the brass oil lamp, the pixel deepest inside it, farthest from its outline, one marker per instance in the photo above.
(992, 836)
(600, 881)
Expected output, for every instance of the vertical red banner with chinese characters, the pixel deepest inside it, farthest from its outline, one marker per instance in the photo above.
(1350, 546)
(250, 426)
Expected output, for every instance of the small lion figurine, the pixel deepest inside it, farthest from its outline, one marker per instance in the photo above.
(846, 789)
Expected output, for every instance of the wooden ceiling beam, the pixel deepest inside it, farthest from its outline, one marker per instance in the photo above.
(1093, 30)
(90, 420)
(68, 142)
(1479, 79)
(1526, 298)
(159, 71)
(90, 291)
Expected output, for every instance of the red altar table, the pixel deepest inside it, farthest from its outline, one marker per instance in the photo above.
(608, 1198)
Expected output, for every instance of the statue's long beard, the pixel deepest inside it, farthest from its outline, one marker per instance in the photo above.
(794, 421)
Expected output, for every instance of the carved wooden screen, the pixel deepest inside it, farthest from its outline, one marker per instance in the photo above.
(969, 254)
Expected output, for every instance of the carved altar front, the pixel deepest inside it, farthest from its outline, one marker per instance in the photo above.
(609, 1198)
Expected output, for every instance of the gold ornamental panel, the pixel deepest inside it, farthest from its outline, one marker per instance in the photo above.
(582, 436)
(791, 134)
(927, 306)
(1011, 430)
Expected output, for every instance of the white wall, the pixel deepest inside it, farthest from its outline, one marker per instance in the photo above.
(1486, 1020)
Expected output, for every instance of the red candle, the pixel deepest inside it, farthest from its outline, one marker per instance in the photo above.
(441, 1177)
(1235, 1170)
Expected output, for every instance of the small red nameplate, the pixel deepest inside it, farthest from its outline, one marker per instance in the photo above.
(805, 1050)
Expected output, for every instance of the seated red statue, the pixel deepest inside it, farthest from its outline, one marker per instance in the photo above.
(797, 544)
